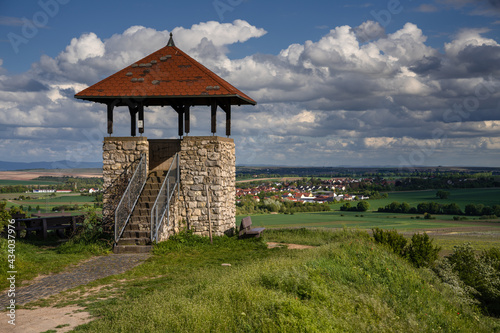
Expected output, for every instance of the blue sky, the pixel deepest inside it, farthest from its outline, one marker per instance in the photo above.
(338, 82)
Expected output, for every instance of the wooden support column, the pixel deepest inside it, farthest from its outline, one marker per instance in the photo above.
(180, 116)
(133, 119)
(141, 118)
(227, 109)
(228, 120)
(214, 117)
(187, 116)
(110, 118)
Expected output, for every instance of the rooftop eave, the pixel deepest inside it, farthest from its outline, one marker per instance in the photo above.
(163, 100)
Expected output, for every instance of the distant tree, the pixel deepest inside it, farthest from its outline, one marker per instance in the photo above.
(345, 206)
(405, 207)
(442, 194)
(473, 209)
(363, 206)
(452, 209)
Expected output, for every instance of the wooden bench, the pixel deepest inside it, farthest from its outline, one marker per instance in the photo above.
(42, 225)
(246, 229)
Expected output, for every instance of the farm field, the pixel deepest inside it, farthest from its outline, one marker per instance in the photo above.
(447, 232)
(462, 197)
(63, 199)
(32, 174)
(46, 203)
(8, 182)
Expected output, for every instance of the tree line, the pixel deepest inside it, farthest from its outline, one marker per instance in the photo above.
(437, 208)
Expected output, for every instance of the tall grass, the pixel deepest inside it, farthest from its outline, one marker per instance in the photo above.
(347, 284)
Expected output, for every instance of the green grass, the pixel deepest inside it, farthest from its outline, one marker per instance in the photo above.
(346, 284)
(62, 199)
(400, 222)
(46, 203)
(462, 197)
(7, 182)
(363, 220)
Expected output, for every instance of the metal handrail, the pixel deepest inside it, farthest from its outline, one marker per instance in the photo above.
(162, 202)
(130, 197)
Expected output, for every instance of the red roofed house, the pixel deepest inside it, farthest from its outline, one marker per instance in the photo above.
(142, 177)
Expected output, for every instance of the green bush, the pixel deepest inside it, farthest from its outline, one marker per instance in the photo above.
(392, 239)
(421, 252)
(4, 216)
(444, 271)
(89, 238)
(479, 272)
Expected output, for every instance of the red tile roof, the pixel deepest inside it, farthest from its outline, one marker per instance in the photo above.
(163, 77)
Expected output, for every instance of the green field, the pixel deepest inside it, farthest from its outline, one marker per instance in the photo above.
(46, 202)
(6, 182)
(443, 228)
(62, 199)
(462, 197)
(367, 220)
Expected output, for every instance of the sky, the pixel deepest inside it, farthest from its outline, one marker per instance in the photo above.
(338, 83)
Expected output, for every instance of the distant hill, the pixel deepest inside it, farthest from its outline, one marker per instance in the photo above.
(12, 166)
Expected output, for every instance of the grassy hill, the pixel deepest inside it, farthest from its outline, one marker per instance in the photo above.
(345, 284)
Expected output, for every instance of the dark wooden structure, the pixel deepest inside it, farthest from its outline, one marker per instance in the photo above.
(167, 77)
(43, 224)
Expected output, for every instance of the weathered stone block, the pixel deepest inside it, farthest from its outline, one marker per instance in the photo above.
(109, 147)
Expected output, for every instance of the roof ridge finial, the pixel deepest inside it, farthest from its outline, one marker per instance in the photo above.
(171, 40)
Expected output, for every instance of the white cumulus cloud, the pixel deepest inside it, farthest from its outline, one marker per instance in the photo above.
(356, 95)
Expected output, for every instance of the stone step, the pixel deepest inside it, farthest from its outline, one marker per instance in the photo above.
(132, 248)
(136, 234)
(147, 198)
(134, 241)
(152, 187)
(138, 226)
(140, 221)
(145, 205)
(149, 193)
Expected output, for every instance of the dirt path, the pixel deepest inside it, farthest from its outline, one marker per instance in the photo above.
(44, 319)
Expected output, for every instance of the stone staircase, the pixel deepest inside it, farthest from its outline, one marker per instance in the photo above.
(136, 237)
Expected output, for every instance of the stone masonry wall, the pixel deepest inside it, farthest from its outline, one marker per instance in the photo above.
(208, 161)
(174, 223)
(205, 162)
(120, 157)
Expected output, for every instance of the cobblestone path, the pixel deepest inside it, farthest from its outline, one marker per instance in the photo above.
(94, 269)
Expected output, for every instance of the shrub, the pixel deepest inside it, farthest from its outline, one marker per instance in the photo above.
(4, 216)
(421, 252)
(479, 272)
(392, 239)
(492, 256)
(444, 271)
(89, 238)
(363, 206)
